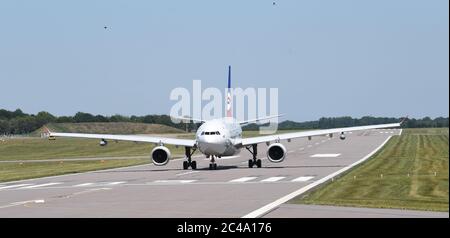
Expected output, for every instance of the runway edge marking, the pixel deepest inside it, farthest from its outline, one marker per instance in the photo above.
(269, 207)
(75, 174)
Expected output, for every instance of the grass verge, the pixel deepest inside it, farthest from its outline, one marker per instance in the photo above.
(410, 172)
(19, 171)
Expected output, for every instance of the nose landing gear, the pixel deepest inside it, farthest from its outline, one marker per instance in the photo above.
(212, 165)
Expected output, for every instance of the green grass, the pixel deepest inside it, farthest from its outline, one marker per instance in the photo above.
(30, 149)
(19, 171)
(38, 149)
(408, 164)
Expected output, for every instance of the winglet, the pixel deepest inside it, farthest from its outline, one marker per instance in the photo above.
(187, 119)
(47, 133)
(46, 130)
(403, 120)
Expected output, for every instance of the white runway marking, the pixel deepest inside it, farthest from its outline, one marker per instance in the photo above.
(302, 179)
(290, 151)
(190, 172)
(116, 183)
(317, 143)
(324, 155)
(243, 179)
(309, 146)
(83, 185)
(301, 149)
(22, 203)
(96, 171)
(323, 141)
(40, 185)
(174, 181)
(272, 179)
(16, 186)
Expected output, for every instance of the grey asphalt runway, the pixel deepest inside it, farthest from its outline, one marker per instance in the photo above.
(233, 190)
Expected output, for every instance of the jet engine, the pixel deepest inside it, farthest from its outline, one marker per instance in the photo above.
(103, 142)
(276, 153)
(342, 136)
(160, 155)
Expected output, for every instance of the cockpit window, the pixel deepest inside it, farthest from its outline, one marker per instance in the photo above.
(210, 133)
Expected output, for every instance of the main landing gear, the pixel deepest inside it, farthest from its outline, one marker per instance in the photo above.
(212, 165)
(189, 162)
(254, 161)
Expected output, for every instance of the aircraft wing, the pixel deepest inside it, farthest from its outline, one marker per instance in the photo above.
(293, 135)
(188, 119)
(259, 119)
(135, 138)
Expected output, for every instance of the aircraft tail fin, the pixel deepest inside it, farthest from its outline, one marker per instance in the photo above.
(229, 108)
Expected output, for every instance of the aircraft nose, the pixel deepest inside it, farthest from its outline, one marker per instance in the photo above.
(214, 145)
(213, 139)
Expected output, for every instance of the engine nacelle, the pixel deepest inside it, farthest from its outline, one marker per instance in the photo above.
(103, 142)
(160, 155)
(276, 153)
(342, 136)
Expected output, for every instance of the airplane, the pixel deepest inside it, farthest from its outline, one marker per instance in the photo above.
(221, 137)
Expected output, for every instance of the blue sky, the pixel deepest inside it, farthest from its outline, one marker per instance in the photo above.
(328, 58)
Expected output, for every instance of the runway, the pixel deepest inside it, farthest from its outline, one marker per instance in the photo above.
(233, 190)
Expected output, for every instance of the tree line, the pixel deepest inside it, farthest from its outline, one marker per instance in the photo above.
(336, 122)
(18, 122)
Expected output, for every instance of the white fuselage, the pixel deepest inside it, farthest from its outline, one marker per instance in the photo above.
(217, 137)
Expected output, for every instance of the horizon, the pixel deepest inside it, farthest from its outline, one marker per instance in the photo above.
(280, 121)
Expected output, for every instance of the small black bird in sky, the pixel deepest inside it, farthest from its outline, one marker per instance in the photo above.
(105, 27)
(274, 3)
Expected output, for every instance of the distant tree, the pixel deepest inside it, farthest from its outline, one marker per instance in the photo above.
(135, 119)
(100, 118)
(4, 127)
(45, 117)
(18, 113)
(83, 117)
(441, 122)
(4, 114)
(18, 122)
(22, 125)
(64, 119)
(119, 118)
